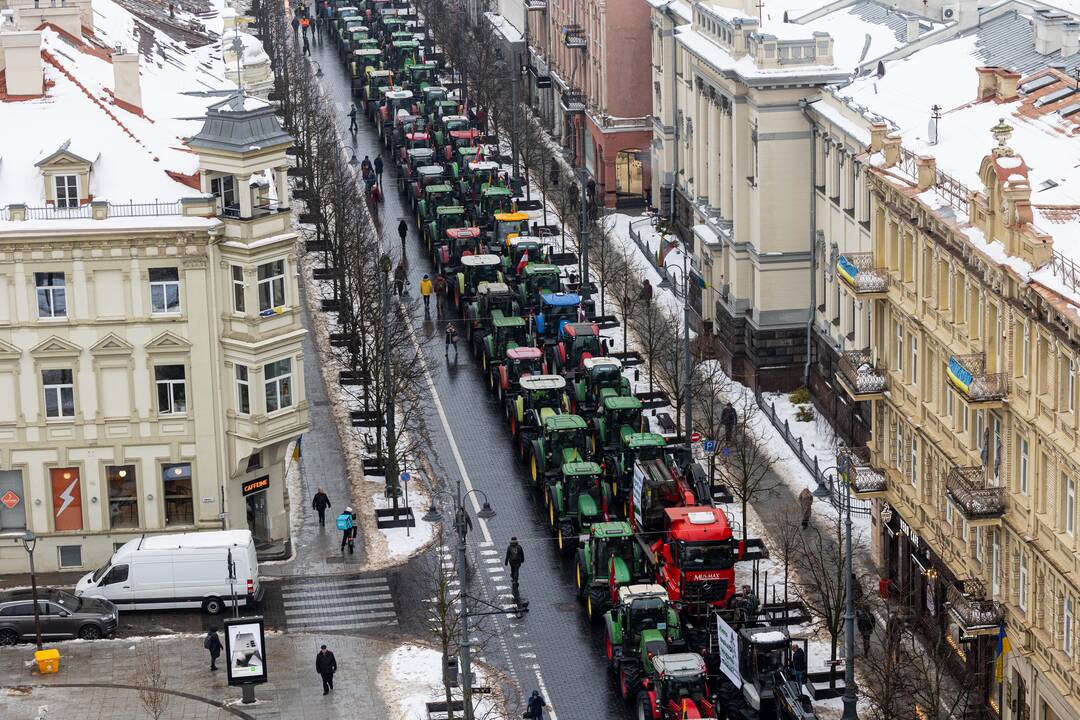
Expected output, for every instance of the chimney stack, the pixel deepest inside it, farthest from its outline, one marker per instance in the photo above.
(912, 29)
(126, 87)
(926, 167)
(22, 62)
(877, 135)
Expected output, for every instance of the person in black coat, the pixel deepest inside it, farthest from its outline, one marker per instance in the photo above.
(515, 557)
(865, 619)
(403, 232)
(213, 644)
(378, 170)
(727, 419)
(320, 503)
(535, 708)
(326, 666)
(798, 665)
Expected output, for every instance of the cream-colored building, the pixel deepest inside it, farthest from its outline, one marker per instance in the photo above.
(151, 368)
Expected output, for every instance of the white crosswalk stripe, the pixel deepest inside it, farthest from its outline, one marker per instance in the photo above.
(340, 604)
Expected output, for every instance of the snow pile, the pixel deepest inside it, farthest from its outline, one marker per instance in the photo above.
(410, 676)
(403, 543)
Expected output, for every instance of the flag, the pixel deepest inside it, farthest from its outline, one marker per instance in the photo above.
(665, 248)
(1003, 647)
(479, 153)
(296, 448)
(524, 261)
(698, 279)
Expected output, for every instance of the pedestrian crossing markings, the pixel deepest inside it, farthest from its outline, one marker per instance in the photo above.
(340, 604)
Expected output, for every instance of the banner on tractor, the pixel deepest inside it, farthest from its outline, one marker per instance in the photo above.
(727, 649)
(639, 483)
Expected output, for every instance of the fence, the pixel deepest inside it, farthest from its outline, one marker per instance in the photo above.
(822, 477)
(151, 209)
(650, 257)
(86, 211)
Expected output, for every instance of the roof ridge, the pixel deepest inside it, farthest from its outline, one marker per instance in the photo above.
(78, 42)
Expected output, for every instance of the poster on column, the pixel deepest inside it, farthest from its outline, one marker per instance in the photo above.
(66, 499)
(245, 650)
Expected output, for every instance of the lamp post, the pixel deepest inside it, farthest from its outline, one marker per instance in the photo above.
(850, 710)
(29, 540)
(461, 526)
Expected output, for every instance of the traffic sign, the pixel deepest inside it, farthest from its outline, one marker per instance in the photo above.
(710, 446)
(10, 499)
(695, 437)
(405, 476)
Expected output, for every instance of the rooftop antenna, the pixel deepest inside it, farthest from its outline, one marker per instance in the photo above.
(238, 48)
(935, 117)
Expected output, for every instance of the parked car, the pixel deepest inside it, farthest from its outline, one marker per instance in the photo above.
(179, 570)
(63, 616)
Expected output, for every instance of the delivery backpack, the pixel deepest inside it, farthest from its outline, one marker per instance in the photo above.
(344, 521)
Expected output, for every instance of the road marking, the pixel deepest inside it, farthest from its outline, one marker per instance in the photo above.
(355, 626)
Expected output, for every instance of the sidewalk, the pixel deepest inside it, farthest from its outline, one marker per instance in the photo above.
(96, 668)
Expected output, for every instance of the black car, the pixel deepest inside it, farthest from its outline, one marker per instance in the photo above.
(63, 616)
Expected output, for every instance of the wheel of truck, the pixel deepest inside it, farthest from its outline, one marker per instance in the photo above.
(629, 674)
(609, 649)
(644, 707)
(213, 606)
(534, 469)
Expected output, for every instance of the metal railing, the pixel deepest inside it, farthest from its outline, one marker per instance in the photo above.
(860, 372)
(257, 211)
(968, 488)
(981, 385)
(855, 463)
(868, 278)
(1065, 270)
(152, 209)
(972, 609)
(49, 212)
(810, 462)
(86, 211)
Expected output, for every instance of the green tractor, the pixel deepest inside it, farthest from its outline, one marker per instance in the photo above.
(430, 199)
(615, 420)
(608, 559)
(419, 77)
(620, 458)
(536, 280)
(459, 161)
(403, 53)
(494, 199)
(411, 158)
(563, 439)
(493, 301)
(476, 175)
(505, 334)
(375, 79)
(541, 397)
(426, 176)
(473, 272)
(576, 501)
(577, 342)
(442, 235)
(600, 378)
(432, 97)
(504, 375)
(641, 625)
(363, 60)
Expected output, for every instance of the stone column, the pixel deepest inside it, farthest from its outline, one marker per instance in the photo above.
(716, 157)
(243, 193)
(699, 138)
(726, 160)
(705, 147)
(281, 181)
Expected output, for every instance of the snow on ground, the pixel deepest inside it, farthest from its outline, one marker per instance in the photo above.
(402, 543)
(410, 676)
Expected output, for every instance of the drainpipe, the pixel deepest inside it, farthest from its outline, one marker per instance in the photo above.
(674, 112)
(803, 105)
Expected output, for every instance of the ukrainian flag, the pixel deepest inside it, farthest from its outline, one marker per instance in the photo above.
(1003, 647)
(846, 270)
(959, 376)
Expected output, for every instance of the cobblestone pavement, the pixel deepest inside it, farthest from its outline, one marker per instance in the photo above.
(91, 672)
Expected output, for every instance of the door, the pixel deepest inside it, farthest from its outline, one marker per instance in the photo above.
(116, 587)
(152, 585)
(12, 501)
(62, 623)
(628, 176)
(257, 517)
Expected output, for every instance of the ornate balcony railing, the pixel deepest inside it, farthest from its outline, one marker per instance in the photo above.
(975, 614)
(861, 375)
(573, 100)
(858, 271)
(970, 492)
(967, 373)
(536, 4)
(854, 466)
(574, 36)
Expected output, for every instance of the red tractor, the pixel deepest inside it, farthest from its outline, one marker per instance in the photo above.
(696, 556)
(676, 689)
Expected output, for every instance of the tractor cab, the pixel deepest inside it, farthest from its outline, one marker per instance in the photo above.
(406, 124)
(355, 33)
(494, 199)
(363, 59)
(697, 555)
(395, 102)
(460, 162)
(461, 240)
(535, 280)
(506, 333)
(601, 378)
(576, 500)
(494, 301)
(509, 226)
(678, 689)
(563, 439)
(420, 76)
(472, 273)
(541, 397)
(556, 310)
(768, 687)
(610, 558)
(342, 17)
(429, 198)
(411, 160)
(617, 418)
(477, 175)
(519, 362)
(404, 53)
(623, 447)
(446, 118)
(577, 342)
(641, 626)
(434, 96)
(375, 78)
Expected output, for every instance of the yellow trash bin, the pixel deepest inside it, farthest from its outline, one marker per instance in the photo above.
(48, 661)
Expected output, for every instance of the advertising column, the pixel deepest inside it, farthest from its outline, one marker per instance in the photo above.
(245, 650)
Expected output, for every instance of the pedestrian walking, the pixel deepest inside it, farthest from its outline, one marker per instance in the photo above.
(353, 127)
(806, 502)
(326, 666)
(305, 22)
(440, 292)
(866, 621)
(535, 708)
(646, 291)
(379, 169)
(451, 340)
(425, 292)
(213, 644)
(400, 278)
(346, 523)
(403, 232)
(318, 25)
(307, 47)
(727, 419)
(798, 665)
(365, 167)
(296, 28)
(515, 558)
(320, 503)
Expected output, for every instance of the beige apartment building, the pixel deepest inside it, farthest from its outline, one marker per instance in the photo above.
(150, 340)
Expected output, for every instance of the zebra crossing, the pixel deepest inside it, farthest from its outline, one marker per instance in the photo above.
(341, 604)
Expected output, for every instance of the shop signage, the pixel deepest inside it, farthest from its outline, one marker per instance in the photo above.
(10, 499)
(257, 486)
(906, 529)
(245, 651)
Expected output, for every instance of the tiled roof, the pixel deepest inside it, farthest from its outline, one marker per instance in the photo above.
(1008, 41)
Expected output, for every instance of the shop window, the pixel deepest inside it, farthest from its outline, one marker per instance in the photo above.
(123, 496)
(177, 489)
(69, 556)
(254, 461)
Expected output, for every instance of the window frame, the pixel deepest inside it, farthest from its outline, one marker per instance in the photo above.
(63, 185)
(274, 285)
(914, 456)
(914, 344)
(899, 339)
(163, 286)
(1070, 505)
(52, 292)
(1022, 582)
(1024, 467)
(120, 472)
(278, 381)
(59, 388)
(995, 565)
(1068, 618)
(175, 499)
(169, 386)
(239, 287)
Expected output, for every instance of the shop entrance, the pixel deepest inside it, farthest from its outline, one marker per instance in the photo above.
(257, 517)
(629, 176)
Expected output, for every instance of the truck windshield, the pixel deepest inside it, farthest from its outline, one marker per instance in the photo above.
(100, 572)
(707, 556)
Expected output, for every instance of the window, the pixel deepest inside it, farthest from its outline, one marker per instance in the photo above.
(278, 384)
(176, 487)
(1023, 467)
(964, 530)
(948, 400)
(1070, 387)
(171, 392)
(243, 391)
(117, 574)
(51, 294)
(898, 447)
(70, 556)
(1021, 587)
(899, 347)
(979, 544)
(123, 496)
(164, 290)
(254, 461)
(914, 460)
(1067, 626)
(59, 393)
(1070, 505)
(224, 189)
(238, 288)
(67, 191)
(995, 566)
(271, 285)
(964, 419)
(914, 359)
(1026, 351)
(949, 511)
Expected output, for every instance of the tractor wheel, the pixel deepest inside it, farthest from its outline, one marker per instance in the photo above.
(644, 707)
(484, 362)
(629, 677)
(577, 576)
(591, 614)
(534, 469)
(513, 425)
(498, 388)
(523, 449)
(567, 538)
(609, 649)
(551, 511)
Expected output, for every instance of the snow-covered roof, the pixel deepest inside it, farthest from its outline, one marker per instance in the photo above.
(135, 156)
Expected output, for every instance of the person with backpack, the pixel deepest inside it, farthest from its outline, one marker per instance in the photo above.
(515, 558)
(213, 644)
(400, 278)
(379, 169)
(365, 167)
(346, 523)
(865, 619)
(535, 708)
(440, 291)
(425, 292)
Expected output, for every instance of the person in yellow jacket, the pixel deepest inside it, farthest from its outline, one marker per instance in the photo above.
(425, 292)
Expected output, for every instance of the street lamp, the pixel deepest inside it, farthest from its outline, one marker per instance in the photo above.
(850, 701)
(461, 525)
(318, 68)
(29, 541)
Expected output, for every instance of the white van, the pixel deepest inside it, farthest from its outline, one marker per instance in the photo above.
(184, 570)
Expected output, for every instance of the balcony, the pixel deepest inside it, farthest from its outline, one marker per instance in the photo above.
(573, 100)
(865, 480)
(858, 271)
(968, 375)
(860, 377)
(536, 5)
(974, 614)
(977, 501)
(574, 37)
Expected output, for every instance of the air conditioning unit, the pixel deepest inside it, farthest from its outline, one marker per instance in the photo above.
(949, 12)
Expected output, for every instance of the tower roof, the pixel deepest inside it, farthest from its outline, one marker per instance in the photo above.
(240, 124)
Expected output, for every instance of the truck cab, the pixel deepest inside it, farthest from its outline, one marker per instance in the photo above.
(696, 553)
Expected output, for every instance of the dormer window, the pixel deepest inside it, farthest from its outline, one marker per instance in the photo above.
(67, 191)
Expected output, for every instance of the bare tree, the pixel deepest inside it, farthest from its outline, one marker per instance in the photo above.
(648, 324)
(153, 680)
(750, 460)
(625, 283)
(712, 388)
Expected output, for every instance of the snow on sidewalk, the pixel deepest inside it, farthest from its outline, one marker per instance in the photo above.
(410, 676)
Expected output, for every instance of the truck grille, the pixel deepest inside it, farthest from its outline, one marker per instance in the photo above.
(707, 591)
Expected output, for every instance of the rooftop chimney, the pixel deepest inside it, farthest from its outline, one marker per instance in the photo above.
(22, 62)
(912, 29)
(126, 87)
